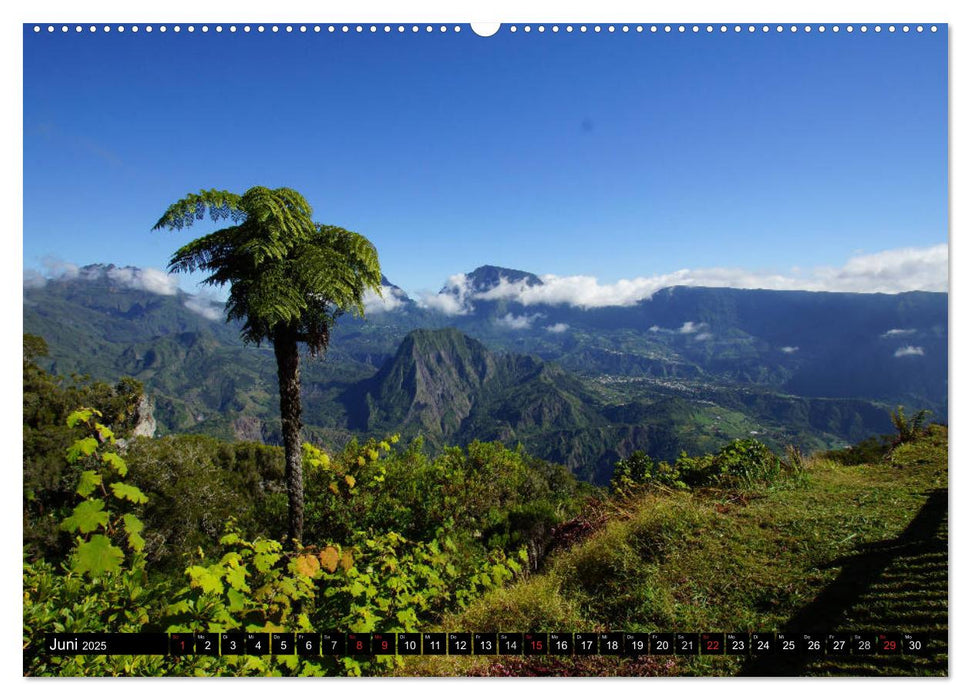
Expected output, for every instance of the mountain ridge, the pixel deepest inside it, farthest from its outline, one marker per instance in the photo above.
(703, 365)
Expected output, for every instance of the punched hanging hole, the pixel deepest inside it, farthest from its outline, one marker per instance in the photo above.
(485, 28)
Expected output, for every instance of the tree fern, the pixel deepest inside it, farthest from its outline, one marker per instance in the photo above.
(289, 279)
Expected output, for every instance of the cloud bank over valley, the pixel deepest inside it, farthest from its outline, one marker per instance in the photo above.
(886, 272)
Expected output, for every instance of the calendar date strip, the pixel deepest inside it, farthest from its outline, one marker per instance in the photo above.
(492, 643)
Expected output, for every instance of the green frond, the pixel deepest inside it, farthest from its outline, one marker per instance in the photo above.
(361, 270)
(270, 298)
(282, 268)
(206, 253)
(193, 207)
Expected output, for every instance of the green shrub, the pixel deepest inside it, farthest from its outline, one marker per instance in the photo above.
(740, 463)
(639, 469)
(48, 482)
(908, 428)
(745, 463)
(103, 584)
(492, 496)
(195, 484)
(869, 451)
(374, 581)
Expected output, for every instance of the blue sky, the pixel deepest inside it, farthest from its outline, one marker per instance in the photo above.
(611, 156)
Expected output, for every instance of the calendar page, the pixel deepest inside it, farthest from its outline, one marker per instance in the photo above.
(400, 349)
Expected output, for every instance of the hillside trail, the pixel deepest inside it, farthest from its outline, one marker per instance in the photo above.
(898, 585)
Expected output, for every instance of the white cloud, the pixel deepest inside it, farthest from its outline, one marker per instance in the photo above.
(389, 300)
(576, 290)
(896, 332)
(157, 281)
(789, 349)
(206, 306)
(558, 327)
(892, 271)
(33, 279)
(889, 272)
(446, 304)
(59, 269)
(147, 279)
(452, 300)
(517, 323)
(908, 350)
(698, 329)
(691, 327)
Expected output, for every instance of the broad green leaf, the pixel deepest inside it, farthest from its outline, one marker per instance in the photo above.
(265, 562)
(105, 433)
(366, 623)
(80, 416)
(288, 589)
(407, 618)
(231, 558)
(89, 480)
(128, 492)
(230, 538)
(81, 448)
(236, 578)
(87, 516)
(178, 608)
(134, 527)
(237, 601)
(205, 578)
(115, 462)
(97, 556)
(264, 546)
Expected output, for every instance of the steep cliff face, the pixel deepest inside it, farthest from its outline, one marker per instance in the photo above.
(146, 424)
(431, 383)
(452, 390)
(248, 429)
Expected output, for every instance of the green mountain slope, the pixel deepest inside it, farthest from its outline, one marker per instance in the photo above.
(451, 389)
(618, 379)
(829, 549)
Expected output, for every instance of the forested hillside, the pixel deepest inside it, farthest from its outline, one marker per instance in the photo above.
(607, 382)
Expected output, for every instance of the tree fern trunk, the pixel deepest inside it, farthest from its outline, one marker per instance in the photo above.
(288, 372)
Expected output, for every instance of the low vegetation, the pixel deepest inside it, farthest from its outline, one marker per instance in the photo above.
(858, 548)
(186, 533)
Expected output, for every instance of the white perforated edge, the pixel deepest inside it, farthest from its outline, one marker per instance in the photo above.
(510, 29)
